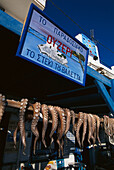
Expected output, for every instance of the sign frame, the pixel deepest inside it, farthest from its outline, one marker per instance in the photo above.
(24, 34)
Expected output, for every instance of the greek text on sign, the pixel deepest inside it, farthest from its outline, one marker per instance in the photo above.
(48, 46)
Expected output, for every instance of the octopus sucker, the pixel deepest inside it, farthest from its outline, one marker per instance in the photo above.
(98, 126)
(73, 120)
(2, 106)
(15, 135)
(68, 118)
(78, 126)
(36, 113)
(61, 128)
(44, 110)
(23, 106)
(54, 116)
(84, 127)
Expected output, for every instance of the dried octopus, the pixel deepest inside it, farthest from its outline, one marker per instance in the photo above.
(94, 125)
(61, 128)
(106, 125)
(21, 124)
(109, 126)
(15, 135)
(98, 126)
(90, 133)
(78, 126)
(54, 116)
(63, 125)
(73, 120)
(44, 110)
(68, 118)
(2, 106)
(36, 114)
(84, 127)
(22, 120)
(93, 122)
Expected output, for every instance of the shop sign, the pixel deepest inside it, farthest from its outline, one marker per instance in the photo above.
(47, 45)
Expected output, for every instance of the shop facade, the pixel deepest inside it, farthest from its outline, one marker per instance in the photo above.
(23, 79)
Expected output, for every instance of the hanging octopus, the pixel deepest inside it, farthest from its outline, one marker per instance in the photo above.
(68, 118)
(2, 106)
(93, 128)
(98, 126)
(109, 126)
(78, 126)
(36, 114)
(22, 119)
(84, 127)
(54, 116)
(73, 120)
(61, 128)
(44, 110)
(106, 125)
(15, 135)
(90, 128)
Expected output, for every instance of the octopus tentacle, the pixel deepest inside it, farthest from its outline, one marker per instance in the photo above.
(106, 124)
(98, 126)
(15, 135)
(78, 126)
(61, 128)
(84, 127)
(44, 109)
(62, 145)
(22, 119)
(93, 129)
(68, 118)
(2, 106)
(111, 126)
(54, 115)
(89, 126)
(73, 120)
(36, 113)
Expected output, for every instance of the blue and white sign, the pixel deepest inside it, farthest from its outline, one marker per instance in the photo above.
(47, 45)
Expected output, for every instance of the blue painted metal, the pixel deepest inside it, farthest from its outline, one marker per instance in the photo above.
(103, 91)
(91, 72)
(112, 90)
(10, 23)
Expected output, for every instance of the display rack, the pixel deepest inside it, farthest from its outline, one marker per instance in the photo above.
(16, 104)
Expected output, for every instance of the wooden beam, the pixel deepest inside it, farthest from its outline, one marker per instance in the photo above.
(17, 104)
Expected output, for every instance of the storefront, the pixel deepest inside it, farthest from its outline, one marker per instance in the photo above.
(23, 79)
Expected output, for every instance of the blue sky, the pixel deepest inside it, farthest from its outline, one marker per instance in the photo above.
(97, 15)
